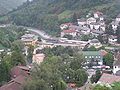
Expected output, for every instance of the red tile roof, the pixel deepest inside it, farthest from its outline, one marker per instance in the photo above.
(19, 70)
(103, 52)
(14, 84)
(99, 13)
(11, 86)
(69, 31)
(109, 79)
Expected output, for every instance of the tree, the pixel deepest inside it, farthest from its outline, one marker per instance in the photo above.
(17, 46)
(74, 18)
(30, 53)
(4, 72)
(96, 77)
(100, 38)
(69, 37)
(80, 77)
(116, 86)
(59, 67)
(108, 59)
(109, 30)
(99, 87)
(92, 48)
(36, 85)
(17, 58)
(77, 61)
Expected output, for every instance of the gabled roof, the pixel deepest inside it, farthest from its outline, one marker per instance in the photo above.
(81, 20)
(69, 31)
(115, 23)
(19, 70)
(91, 18)
(15, 84)
(118, 16)
(96, 53)
(98, 12)
(109, 79)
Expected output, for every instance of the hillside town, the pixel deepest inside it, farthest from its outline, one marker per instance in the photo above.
(97, 40)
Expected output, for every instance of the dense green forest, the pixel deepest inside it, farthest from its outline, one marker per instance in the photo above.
(49, 14)
(8, 35)
(8, 5)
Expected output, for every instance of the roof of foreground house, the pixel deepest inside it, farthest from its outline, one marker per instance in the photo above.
(108, 79)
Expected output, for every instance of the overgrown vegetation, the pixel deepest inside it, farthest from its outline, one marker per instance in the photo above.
(8, 35)
(61, 66)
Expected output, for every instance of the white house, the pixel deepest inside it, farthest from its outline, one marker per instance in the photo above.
(85, 30)
(69, 32)
(112, 39)
(91, 20)
(101, 18)
(116, 64)
(65, 26)
(95, 43)
(97, 14)
(116, 67)
(103, 27)
(38, 58)
(81, 22)
(115, 24)
(118, 18)
(95, 26)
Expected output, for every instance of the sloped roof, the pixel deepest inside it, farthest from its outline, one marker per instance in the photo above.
(69, 31)
(96, 53)
(14, 84)
(109, 79)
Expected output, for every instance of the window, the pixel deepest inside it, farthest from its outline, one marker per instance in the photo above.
(85, 56)
(89, 56)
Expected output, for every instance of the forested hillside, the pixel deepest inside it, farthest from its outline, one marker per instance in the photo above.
(8, 5)
(48, 14)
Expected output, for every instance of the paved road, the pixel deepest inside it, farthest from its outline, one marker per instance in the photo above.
(49, 39)
(41, 33)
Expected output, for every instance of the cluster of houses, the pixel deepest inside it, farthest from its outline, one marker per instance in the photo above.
(95, 25)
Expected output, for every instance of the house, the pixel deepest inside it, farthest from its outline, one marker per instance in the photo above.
(19, 75)
(69, 32)
(19, 70)
(94, 25)
(29, 39)
(65, 26)
(101, 18)
(118, 18)
(96, 33)
(94, 57)
(85, 30)
(112, 39)
(116, 64)
(108, 79)
(95, 43)
(38, 58)
(81, 22)
(115, 24)
(103, 27)
(15, 84)
(91, 20)
(97, 14)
